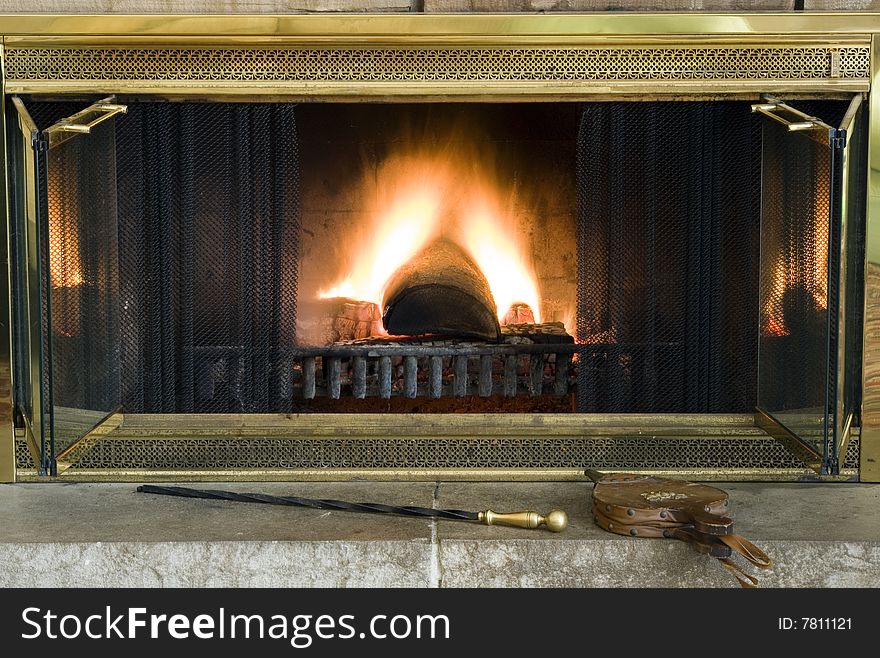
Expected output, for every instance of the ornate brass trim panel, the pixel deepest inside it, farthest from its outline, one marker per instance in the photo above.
(779, 467)
(536, 452)
(303, 70)
(412, 446)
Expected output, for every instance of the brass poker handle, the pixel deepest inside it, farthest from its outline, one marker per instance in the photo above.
(555, 521)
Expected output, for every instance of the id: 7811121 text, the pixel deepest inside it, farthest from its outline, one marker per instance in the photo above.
(815, 623)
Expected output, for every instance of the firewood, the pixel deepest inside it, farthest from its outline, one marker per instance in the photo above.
(519, 314)
(440, 291)
(327, 321)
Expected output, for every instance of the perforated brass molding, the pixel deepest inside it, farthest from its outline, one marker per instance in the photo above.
(347, 446)
(113, 68)
(383, 72)
(435, 56)
(190, 458)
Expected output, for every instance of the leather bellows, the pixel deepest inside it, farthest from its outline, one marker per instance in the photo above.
(645, 506)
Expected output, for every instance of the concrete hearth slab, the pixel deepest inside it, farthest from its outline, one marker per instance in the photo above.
(106, 535)
(818, 535)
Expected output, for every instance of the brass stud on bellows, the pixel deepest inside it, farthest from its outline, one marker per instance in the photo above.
(555, 521)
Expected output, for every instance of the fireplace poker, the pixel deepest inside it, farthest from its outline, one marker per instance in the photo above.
(555, 521)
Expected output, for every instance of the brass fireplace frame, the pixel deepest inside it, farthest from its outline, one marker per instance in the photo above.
(439, 58)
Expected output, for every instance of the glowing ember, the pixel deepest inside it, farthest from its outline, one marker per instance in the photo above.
(447, 192)
(773, 327)
(772, 322)
(793, 284)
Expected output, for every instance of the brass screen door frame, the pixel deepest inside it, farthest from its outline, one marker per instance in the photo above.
(853, 201)
(64, 218)
(808, 299)
(26, 156)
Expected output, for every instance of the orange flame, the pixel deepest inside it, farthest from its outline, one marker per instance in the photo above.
(773, 323)
(802, 274)
(65, 268)
(446, 192)
(398, 236)
(499, 256)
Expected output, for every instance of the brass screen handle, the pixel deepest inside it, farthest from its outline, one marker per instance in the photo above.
(555, 521)
(780, 112)
(104, 111)
(83, 121)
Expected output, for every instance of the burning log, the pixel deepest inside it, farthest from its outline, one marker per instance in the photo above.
(519, 313)
(327, 321)
(440, 291)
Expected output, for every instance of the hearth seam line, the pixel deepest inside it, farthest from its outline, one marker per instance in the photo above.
(434, 575)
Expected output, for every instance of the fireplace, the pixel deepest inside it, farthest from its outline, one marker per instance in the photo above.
(339, 254)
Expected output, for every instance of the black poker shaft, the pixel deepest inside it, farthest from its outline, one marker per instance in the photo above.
(320, 503)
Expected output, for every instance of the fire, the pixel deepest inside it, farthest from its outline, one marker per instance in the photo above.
(500, 257)
(445, 192)
(773, 323)
(63, 267)
(398, 236)
(798, 287)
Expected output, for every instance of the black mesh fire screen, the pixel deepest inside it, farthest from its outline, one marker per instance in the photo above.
(208, 234)
(668, 224)
(668, 219)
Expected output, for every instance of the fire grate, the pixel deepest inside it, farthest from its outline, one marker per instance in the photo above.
(412, 370)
